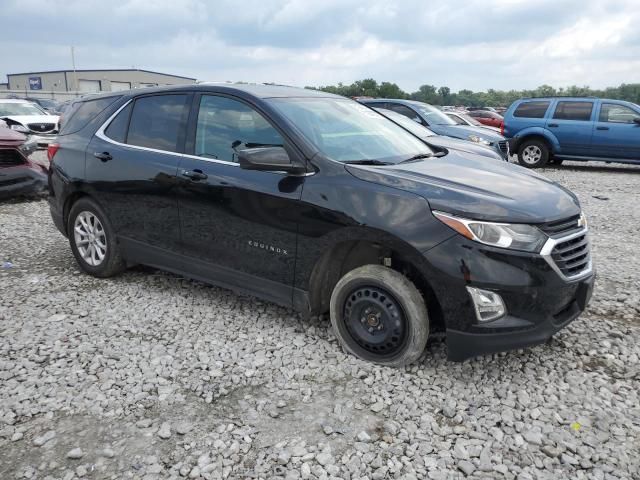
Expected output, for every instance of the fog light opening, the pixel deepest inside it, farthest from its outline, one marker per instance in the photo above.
(487, 304)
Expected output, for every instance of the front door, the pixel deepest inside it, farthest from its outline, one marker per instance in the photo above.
(131, 169)
(239, 226)
(572, 125)
(616, 134)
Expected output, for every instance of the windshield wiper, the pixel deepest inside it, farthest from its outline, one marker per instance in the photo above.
(423, 155)
(366, 162)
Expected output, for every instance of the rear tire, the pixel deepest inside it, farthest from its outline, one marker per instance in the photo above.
(93, 240)
(378, 315)
(533, 153)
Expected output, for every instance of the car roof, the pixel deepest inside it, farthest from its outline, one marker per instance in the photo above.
(253, 89)
(395, 100)
(14, 100)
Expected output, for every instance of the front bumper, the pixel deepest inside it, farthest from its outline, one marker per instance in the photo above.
(538, 301)
(22, 180)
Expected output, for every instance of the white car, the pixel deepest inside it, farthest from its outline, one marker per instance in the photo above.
(461, 118)
(28, 118)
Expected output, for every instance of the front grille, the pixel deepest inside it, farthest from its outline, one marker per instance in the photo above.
(572, 257)
(560, 227)
(41, 127)
(10, 158)
(503, 145)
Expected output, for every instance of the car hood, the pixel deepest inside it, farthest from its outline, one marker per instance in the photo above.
(462, 146)
(471, 186)
(24, 119)
(463, 132)
(11, 138)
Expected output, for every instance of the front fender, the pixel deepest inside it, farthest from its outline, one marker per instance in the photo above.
(535, 132)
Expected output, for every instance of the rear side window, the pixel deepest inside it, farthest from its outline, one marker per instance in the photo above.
(117, 129)
(84, 113)
(156, 122)
(580, 111)
(531, 109)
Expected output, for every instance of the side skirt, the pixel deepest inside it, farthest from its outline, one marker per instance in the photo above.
(596, 159)
(285, 295)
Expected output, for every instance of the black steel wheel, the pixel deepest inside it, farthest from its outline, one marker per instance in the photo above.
(380, 316)
(375, 320)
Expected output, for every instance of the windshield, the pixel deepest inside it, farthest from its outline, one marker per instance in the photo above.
(432, 115)
(11, 108)
(344, 130)
(411, 125)
(48, 103)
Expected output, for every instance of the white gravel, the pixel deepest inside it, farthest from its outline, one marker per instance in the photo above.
(149, 375)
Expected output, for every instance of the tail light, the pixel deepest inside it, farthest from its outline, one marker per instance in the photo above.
(52, 149)
(502, 128)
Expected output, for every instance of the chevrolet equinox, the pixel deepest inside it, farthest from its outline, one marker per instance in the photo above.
(317, 202)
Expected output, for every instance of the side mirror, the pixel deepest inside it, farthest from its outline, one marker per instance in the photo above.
(636, 120)
(268, 159)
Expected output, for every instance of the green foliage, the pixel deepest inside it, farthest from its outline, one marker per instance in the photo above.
(491, 98)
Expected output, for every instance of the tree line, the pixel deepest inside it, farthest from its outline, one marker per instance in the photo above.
(491, 98)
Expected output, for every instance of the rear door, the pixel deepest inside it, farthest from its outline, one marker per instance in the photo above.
(616, 134)
(572, 124)
(239, 226)
(131, 170)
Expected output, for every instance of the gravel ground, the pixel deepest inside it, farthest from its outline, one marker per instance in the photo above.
(149, 375)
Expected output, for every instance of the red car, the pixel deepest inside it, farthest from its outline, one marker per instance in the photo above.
(485, 117)
(19, 175)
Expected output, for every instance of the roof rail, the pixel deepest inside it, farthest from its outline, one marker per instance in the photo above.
(560, 96)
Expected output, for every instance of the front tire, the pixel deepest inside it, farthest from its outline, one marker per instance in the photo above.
(533, 153)
(379, 315)
(93, 240)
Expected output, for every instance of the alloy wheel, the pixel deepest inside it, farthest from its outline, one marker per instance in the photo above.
(531, 154)
(90, 238)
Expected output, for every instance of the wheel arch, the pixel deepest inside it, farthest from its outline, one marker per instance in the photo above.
(352, 252)
(538, 133)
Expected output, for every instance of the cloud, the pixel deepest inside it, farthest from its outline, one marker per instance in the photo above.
(476, 44)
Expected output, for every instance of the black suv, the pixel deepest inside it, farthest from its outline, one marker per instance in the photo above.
(317, 202)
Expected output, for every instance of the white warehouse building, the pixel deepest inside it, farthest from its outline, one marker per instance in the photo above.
(90, 81)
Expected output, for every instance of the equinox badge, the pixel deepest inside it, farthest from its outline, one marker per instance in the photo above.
(268, 248)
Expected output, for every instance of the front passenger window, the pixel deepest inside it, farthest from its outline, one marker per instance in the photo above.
(226, 126)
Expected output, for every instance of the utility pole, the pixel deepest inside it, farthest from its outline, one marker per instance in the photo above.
(73, 63)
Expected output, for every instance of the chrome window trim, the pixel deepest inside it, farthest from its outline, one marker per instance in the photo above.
(100, 133)
(551, 243)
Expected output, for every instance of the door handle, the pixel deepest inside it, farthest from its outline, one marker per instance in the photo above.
(602, 128)
(552, 125)
(104, 156)
(194, 175)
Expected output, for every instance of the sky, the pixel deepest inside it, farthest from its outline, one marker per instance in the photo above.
(473, 44)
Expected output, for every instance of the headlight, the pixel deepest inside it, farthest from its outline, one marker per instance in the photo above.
(477, 139)
(19, 128)
(515, 236)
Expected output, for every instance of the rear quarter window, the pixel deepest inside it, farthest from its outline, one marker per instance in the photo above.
(83, 113)
(531, 109)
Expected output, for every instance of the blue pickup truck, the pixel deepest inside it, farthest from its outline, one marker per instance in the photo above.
(550, 130)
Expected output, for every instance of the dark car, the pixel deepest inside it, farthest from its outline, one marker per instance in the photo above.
(490, 119)
(316, 202)
(438, 141)
(438, 121)
(18, 174)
